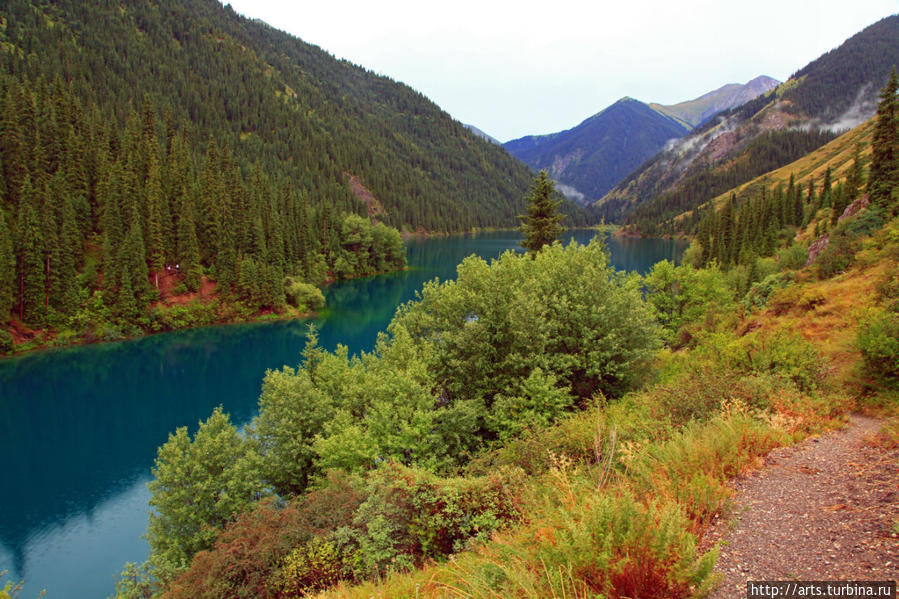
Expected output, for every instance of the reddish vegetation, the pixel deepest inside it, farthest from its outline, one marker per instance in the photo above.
(364, 195)
(19, 331)
(168, 281)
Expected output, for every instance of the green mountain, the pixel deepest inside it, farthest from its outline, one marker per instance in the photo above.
(289, 106)
(833, 93)
(591, 158)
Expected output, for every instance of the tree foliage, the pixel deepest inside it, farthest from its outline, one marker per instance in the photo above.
(541, 225)
(199, 485)
(883, 183)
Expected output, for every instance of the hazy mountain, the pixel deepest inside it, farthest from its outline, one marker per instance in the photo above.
(591, 158)
(694, 113)
(835, 92)
(483, 135)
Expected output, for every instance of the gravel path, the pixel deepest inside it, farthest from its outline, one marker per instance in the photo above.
(820, 510)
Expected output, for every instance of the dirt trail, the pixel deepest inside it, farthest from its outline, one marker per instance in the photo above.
(821, 510)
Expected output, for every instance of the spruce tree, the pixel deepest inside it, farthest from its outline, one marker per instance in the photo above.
(856, 177)
(7, 271)
(541, 225)
(883, 179)
(29, 244)
(188, 248)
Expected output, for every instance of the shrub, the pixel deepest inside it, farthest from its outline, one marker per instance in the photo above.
(249, 552)
(303, 296)
(682, 296)
(793, 257)
(411, 515)
(759, 294)
(565, 311)
(312, 567)
(6, 341)
(878, 342)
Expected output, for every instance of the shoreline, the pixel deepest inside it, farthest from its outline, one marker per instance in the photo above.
(258, 317)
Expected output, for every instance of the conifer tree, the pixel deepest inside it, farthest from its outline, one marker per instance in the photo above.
(856, 177)
(156, 219)
(541, 225)
(726, 230)
(188, 248)
(29, 244)
(883, 181)
(7, 270)
(826, 189)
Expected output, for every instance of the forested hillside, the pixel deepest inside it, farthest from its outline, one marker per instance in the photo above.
(832, 93)
(100, 222)
(272, 99)
(161, 149)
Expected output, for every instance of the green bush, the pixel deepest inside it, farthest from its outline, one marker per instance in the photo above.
(303, 296)
(759, 294)
(564, 310)
(793, 257)
(6, 341)
(411, 515)
(183, 316)
(878, 342)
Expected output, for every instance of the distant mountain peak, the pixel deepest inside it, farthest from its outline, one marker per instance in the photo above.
(591, 158)
(699, 110)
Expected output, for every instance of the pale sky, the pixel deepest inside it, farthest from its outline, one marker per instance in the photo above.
(515, 68)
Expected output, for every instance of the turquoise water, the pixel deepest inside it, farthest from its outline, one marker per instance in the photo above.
(80, 426)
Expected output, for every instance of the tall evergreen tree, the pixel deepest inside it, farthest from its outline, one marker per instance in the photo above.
(883, 181)
(542, 224)
(188, 248)
(7, 270)
(29, 244)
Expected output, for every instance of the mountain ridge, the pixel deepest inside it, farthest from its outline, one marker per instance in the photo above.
(592, 157)
(836, 91)
(699, 110)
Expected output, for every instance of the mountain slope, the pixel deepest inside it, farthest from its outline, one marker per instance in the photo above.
(483, 135)
(694, 113)
(838, 91)
(596, 154)
(275, 100)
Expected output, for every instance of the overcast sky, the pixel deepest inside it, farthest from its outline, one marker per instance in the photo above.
(524, 67)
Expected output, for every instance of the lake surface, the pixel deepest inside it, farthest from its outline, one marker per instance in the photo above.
(79, 427)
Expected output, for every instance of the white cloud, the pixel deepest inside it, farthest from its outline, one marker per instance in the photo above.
(517, 68)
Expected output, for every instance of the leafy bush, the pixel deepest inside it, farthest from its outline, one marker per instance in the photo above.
(793, 257)
(183, 316)
(312, 567)
(783, 354)
(199, 485)
(303, 296)
(565, 311)
(878, 342)
(759, 294)
(6, 341)
(840, 251)
(682, 296)
(248, 554)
